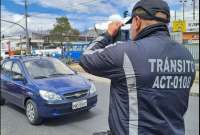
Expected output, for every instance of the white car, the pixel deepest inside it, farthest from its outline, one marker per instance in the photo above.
(4, 53)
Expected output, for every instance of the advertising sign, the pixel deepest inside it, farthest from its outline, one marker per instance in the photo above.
(192, 26)
(179, 26)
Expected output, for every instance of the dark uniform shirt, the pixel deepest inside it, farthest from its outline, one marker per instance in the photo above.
(151, 79)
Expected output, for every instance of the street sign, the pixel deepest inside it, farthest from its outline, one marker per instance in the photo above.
(179, 26)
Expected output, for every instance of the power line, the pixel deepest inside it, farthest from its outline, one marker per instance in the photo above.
(26, 23)
(71, 18)
(11, 37)
(82, 3)
(86, 2)
(13, 25)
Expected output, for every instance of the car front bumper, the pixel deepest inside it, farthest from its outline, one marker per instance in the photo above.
(56, 110)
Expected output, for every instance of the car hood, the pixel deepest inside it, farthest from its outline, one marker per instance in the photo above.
(62, 85)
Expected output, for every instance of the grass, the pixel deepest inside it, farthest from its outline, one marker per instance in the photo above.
(76, 67)
(197, 77)
(194, 94)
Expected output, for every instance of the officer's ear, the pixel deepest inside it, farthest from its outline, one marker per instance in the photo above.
(135, 27)
(137, 23)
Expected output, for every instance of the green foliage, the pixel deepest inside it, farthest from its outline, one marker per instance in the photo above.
(17, 52)
(63, 31)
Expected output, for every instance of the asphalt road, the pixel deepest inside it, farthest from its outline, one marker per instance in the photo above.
(13, 119)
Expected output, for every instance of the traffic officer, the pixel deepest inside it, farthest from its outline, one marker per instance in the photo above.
(151, 76)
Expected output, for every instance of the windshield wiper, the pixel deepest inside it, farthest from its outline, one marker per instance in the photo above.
(40, 77)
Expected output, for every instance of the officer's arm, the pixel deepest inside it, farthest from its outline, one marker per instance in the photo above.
(102, 59)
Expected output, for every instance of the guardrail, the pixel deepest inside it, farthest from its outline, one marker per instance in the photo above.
(194, 50)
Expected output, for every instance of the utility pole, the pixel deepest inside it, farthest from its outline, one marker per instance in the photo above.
(26, 22)
(20, 45)
(194, 14)
(183, 11)
(175, 15)
(183, 1)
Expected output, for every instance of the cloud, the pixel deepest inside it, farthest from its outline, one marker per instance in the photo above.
(104, 25)
(82, 14)
(115, 17)
(21, 2)
(82, 23)
(188, 15)
(37, 22)
(80, 6)
(66, 5)
(41, 21)
(98, 6)
(9, 16)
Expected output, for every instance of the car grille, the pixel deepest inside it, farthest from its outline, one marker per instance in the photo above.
(76, 95)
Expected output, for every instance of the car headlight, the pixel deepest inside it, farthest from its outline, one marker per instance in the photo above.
(93, 89)
(49, 96)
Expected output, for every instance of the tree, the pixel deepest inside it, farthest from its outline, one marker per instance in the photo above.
(63, 31)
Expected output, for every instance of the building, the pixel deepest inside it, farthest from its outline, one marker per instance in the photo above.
(189, 29)
(191, 36)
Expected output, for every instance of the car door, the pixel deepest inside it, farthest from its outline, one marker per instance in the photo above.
(5, 80)
(18, 84)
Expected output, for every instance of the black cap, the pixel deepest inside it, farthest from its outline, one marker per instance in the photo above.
(152, 7)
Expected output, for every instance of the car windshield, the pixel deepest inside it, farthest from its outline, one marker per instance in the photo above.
(45, 68)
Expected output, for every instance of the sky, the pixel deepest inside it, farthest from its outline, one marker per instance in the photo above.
(82, 14)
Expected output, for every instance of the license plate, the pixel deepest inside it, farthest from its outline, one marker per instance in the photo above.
(79, 104)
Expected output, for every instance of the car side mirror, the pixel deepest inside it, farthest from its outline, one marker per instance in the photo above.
(19, 78)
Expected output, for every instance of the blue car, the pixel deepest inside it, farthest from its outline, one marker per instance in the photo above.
(45, 88)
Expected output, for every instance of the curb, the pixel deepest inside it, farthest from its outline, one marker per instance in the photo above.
(94, 78)
(195, 89)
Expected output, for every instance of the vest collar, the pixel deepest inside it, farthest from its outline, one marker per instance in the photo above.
(153, 29)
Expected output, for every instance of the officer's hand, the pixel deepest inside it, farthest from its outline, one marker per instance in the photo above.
(114, 27)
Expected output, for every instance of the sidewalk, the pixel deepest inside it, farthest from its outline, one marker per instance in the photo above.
(195, 89)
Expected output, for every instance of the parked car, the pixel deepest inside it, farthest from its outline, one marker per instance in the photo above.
(4, 53)
(45, 88)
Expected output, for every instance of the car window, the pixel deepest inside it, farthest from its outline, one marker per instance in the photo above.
(44, 68)
(16, 69)
(6, 68)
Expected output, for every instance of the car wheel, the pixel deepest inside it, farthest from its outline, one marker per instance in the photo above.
(32, 113)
